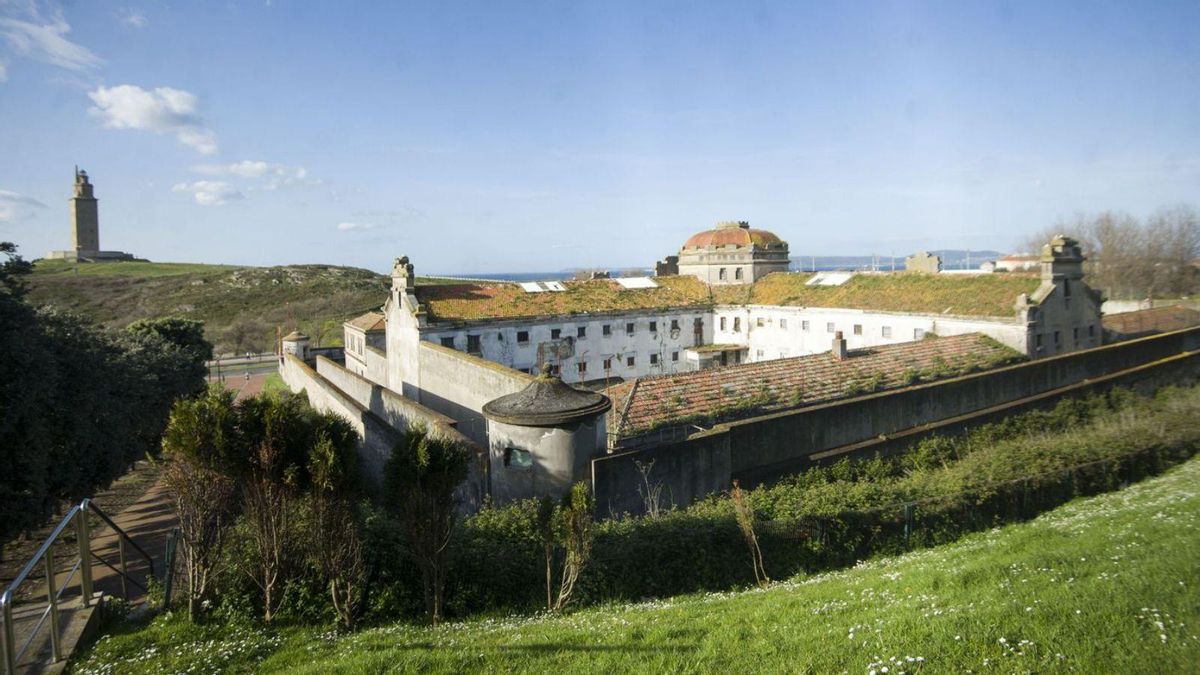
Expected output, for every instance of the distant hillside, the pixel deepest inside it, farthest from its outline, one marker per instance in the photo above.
(241, 306)
(951, 259)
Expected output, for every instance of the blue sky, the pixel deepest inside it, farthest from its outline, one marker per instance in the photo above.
(493, 136)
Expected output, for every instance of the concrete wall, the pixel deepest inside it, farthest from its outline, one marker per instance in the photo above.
(458, 385)
(376, 437)
(686, 471)
(787, 442)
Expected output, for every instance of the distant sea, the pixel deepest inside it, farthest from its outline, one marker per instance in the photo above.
(525, 276)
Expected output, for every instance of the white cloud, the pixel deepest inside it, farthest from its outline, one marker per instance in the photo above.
(133, 18)
(273, 176)
(348, 227)
(210, 192)
(44, 39)
(162, 110)
(15, 206)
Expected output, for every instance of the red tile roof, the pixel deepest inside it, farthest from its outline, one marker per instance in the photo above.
(369, 322)
(1150, 321)
(732, 392)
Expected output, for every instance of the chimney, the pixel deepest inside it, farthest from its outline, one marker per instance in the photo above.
(839, 346)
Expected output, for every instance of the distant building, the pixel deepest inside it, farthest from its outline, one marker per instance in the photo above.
(1018, 263)
(85, 227)
(732, 253)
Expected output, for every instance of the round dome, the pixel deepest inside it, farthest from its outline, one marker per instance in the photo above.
(735, 233)
(546, 402)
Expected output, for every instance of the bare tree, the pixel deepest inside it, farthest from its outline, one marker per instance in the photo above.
(336, 547)
(745, 521)
(202, 504)
(651, 493)
(576, 524)
(269, 509)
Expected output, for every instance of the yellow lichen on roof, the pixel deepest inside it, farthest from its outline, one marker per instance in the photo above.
(480, 301)
(967, 295)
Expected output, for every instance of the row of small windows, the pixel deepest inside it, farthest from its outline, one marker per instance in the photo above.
(630, 361)
(830, 327)
(1057, 335)
(723, 276)
(474, 342)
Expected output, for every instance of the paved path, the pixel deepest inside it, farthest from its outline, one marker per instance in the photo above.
(245, 388)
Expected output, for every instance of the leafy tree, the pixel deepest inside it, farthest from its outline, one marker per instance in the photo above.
(420, 481)
(188, 334)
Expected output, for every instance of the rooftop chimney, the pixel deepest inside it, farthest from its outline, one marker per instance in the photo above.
(839, 346)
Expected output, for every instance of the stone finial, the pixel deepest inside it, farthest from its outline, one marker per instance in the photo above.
(733, 225)
(402, 273)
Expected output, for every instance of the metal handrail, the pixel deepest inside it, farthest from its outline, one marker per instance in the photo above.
(83, 564)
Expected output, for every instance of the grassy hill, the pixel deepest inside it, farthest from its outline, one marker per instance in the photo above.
(1104, 584)
(241, 306)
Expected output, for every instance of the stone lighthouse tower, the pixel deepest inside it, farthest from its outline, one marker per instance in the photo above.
(85, 227)
(85, 216)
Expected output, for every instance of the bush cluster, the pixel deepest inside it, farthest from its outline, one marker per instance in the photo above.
(78, 404)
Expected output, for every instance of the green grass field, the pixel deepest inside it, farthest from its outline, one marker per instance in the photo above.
(1103, 584)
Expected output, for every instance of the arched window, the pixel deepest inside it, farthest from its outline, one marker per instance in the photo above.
(737, 273)
(721, 274)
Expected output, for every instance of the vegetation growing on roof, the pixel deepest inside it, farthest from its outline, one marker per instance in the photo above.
(734, 392)
(966, 295)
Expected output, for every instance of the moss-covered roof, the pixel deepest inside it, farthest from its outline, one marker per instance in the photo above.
(735, 392)
(969, 295)
(480, 301)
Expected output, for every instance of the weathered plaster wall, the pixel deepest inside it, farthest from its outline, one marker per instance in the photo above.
(458, 385)
(561, 456)
(376, 437)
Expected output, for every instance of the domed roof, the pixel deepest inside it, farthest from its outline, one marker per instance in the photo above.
(547, 401)
(737, 233)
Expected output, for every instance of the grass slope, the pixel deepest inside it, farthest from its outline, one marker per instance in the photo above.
(241, 306)
(1108, 584)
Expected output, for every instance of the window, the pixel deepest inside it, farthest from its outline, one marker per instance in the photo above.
(674, 324)
(760, 322)
(918, 333)
(829, 327)
(606, 330)
(653, 326)
(516, 458)
(631, 361)
(858, 329)
(581, 332)
(674, 356)
(759, 354)
(522, 336)
(721, 274)
(1038, 340)
(629, 328)
(737, 324)
(473, 344)
(1092, 331)
(804, 325)
(1075, 335)
(654, 359)
(608, 364)
(500, 337)
(448, 342)
(722, 323)
(581, 367)
(555, 333)
(737, 273)
(1057, 339)
(555, 369)
(887, 331)
(783, 324)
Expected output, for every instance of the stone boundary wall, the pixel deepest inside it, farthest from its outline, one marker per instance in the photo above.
(376, 362)
(376, 437)
(786, 442)
(457, 384)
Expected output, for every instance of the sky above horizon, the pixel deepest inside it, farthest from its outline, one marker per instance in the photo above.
(483, 137)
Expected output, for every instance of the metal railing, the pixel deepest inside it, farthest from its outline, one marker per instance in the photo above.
(54, 591)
